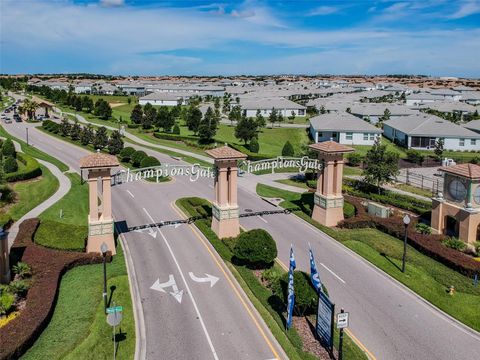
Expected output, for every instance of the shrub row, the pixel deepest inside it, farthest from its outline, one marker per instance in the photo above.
(430, 245)
(251, 155)
(48, 266)
(362, 189)
(31, 170)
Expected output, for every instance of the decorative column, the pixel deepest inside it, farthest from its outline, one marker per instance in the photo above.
(225, 221)
(328, 199)
(4, 258)
(100, 221)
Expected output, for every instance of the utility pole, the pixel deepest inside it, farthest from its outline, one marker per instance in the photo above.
(26, 129)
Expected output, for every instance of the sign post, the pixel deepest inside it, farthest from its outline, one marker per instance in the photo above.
(342, 322)
(114, 318)
(325, 321)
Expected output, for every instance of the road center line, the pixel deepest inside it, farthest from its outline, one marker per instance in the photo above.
(331, 272)
(261, 218)
(128, 191)
(209, 340)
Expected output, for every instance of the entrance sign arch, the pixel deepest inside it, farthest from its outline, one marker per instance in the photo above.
(225, 213)
(328, 198)
(100, 221)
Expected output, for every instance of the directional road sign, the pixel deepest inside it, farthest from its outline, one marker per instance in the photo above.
(112, 310)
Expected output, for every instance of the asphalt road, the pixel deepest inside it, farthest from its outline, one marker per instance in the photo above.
(388, 319)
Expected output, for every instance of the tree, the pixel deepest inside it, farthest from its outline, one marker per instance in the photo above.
(273, 116)
(87, 103)
(438, 149)
(129, 100)
(100, 139)
(8, 149)
(65, 127)
(380, 165)
(102, 109)
(216, 103)
(194, 116)
(256, 247)
(126, 153)
(78, 103)
(208, 127)
(246, 129)
(137, 157)
(235, 114)
(254, 147)
(149, 161)
(385, 116)
(115, 143)
(149, 117)
(86, 135)
(322, 110)
(75, 131)
(164, 119)
(348, 110)
(287, 149)
(292, 116)
(137, 114)
(261, 123)
(10, 165)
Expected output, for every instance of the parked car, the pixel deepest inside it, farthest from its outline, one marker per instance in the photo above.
(8, 121)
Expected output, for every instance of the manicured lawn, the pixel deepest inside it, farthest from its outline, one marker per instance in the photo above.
(69, 231)
(352, 171)
(425, 276)
(293, 182)
(414, 190)
(362, 149)
(78, 328)
(33, 192)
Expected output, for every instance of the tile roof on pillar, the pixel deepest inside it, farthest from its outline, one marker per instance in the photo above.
(225, 152)
(98, 160)
(470, 171)
(330, 147)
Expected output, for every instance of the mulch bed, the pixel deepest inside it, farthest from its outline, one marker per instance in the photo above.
(48, 266)
(306, 329)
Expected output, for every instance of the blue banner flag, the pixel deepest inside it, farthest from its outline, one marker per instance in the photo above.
(291, 293)
(314, 276)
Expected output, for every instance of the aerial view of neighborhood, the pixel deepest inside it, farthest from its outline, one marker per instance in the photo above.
(239, 180)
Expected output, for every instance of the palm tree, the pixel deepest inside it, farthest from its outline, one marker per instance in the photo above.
(30, 107)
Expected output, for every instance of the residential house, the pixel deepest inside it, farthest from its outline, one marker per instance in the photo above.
(250, 106)
(164, 98)
(374, 111)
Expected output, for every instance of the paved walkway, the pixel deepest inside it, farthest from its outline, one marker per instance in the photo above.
(63, 189)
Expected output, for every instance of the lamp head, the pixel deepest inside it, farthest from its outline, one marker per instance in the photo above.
(104, 248)
(406, 219)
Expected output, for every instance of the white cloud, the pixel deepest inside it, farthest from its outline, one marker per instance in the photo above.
(112, 3)
(466, 9)
(323, 10)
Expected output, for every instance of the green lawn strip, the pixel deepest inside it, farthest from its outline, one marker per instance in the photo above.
(78, 328)
(292, 182)
(32, 193)
(425, 276)
(69, 231)
(414, 190)
(33, 151)
(352, 171)
(258, 294)
(363, 149)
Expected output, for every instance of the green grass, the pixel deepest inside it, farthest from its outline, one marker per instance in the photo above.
(78, 328)
(258, 294)
(425, 276)
(33, 151)
(362, 149)
(293, 182)
(69, 231)
(32, 193)
(414, 190)
(352, 171)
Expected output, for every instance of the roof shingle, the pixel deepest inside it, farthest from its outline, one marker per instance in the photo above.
(470, 171)
(98, 160)
(330, 147)
(225, 152)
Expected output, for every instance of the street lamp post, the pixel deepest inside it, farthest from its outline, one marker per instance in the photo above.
(26, 129)
(104, 249)
(406, 221)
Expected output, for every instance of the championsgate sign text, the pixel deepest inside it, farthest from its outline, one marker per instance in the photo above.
(194, 171)
(303, 164)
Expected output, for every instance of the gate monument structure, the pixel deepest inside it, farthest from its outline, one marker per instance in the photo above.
(100, 221)
(225, 212)
(328, 198)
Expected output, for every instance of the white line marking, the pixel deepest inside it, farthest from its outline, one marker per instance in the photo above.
(331, 272)
(215, 356)
(210, 186)
(128, 191)
(261, 218)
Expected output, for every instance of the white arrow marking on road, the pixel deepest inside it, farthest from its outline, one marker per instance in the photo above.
(210, 278)
(151, 232)
(170, 283)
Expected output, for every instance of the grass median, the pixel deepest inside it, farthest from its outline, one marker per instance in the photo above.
(425, 276)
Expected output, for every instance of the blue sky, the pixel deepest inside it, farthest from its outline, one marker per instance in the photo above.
(432, 37)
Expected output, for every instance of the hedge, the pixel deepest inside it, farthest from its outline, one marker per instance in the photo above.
(137, 157)
(31, 170)
(430, 245)
(149, 161)
(175, 137)
(251, 155)
(256, 247)
(10, 165)
(48, 266)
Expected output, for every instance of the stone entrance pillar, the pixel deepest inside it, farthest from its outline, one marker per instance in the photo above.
(100, 221)
(225, 208)
(328, 207)
(4, 258)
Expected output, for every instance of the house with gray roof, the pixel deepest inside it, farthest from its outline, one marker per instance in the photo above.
(471, 97)
(265, 105)
(373, 111)
(343, 128)
(421, 131)
(417, 99)
(165, 98)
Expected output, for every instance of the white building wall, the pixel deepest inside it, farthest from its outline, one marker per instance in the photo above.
(415, 102)
(343, 138)
(285, 112)
(158, 102)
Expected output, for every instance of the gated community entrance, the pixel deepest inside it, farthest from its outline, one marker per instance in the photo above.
(228, 162)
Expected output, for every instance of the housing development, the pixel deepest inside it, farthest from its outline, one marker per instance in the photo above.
(180, 200)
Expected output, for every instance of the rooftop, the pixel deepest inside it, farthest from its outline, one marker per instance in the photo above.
(225, 152)
(341, 122)
(470, 171)
(98, 160)
(330, 147)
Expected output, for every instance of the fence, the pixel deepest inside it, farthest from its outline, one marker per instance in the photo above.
(432, 184)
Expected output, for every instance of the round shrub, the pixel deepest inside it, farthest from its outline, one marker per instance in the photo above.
(8, 149)
(149, 161)
(254, 146)
(6, 302)
(126, 153)
(287, 149)
(354, 159)
(137, 157)
(256, 247)
(10, 165)
(176, 130)
(306, 298)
